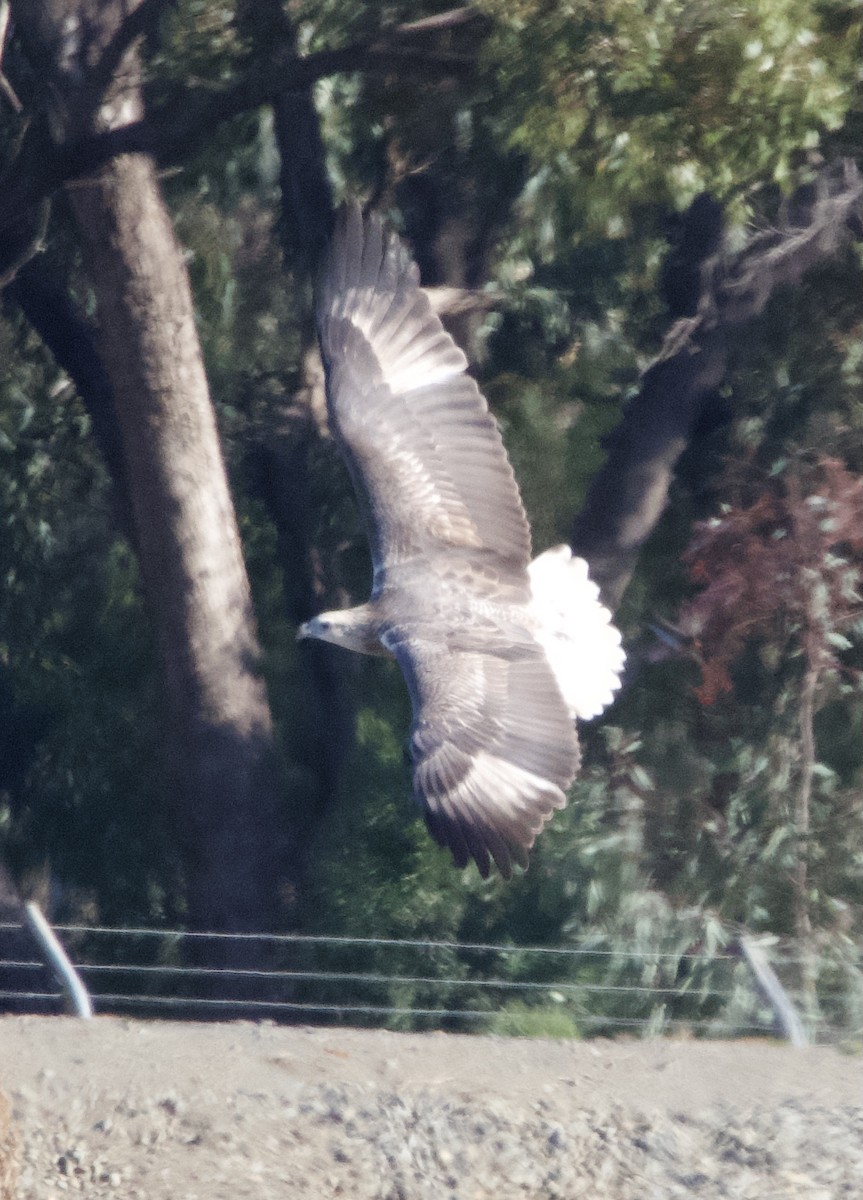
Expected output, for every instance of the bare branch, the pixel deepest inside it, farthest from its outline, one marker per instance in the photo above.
(10, 96)
(192, 117)
(5, 86)
(23, 241)
(42, 294)
(628, 495)
(457, 301)
(452, 19)
(816, 222)
(41, 166)
(140, 20)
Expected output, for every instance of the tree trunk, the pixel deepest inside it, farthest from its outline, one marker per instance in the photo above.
(218, 728)
(280, 463)
(191, 560)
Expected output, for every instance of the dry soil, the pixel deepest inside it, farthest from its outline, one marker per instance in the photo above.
(141, 1110)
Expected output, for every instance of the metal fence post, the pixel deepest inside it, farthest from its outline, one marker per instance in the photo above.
(77, 997)
(773, 992)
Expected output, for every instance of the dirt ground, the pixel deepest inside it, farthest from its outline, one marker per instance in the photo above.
(142, 1110)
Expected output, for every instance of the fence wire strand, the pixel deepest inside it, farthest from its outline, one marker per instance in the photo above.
(415, 943)
(734, 1002)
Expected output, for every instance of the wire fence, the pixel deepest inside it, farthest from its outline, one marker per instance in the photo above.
(423, 984)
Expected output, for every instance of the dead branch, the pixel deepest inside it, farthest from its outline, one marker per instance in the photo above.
(5, 86)
(628, 495)
(172, 132)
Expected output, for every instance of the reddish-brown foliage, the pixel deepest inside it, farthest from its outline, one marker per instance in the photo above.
(784, 569)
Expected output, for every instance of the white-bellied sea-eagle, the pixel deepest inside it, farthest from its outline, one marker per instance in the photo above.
(500, 654)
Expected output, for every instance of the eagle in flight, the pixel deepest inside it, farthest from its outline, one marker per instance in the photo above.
(500, 654)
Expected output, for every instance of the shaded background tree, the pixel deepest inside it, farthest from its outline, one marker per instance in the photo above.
(595, 193)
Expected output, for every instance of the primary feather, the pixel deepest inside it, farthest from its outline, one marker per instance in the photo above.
(499, 654)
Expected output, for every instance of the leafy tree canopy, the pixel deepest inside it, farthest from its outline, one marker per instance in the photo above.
(566, 156)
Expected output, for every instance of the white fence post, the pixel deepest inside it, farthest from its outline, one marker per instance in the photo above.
(773, 992)
(77, 997)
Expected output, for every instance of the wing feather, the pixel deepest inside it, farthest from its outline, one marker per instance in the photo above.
(492, 745)
(423, 450)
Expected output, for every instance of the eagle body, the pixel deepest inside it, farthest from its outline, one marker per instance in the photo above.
(500, 654)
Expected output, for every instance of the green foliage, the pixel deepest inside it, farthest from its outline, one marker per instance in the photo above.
(624, 101)
(518, 1020)
(585, 127)
(78, 678)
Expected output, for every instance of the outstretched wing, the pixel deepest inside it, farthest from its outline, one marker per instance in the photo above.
(492, 744)
(424, 452)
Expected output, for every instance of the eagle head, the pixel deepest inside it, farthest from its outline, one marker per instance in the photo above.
(352, 628)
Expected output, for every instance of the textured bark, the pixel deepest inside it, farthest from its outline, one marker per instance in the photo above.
(629, 493)
(218, 728)
(189, 549)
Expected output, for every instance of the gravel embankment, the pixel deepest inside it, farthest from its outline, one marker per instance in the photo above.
(155, 1111)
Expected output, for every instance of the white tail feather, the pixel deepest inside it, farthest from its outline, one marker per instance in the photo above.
(575, 630)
